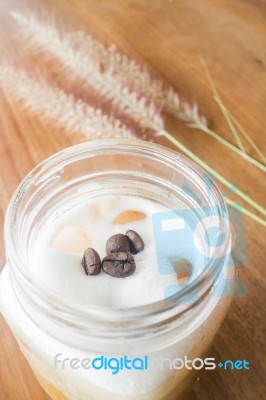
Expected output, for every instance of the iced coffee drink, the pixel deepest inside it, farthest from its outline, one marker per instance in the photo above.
(110, 287)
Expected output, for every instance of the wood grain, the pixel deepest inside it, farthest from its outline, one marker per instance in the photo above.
(169, 36)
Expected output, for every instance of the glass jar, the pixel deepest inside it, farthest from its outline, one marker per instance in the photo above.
(163, 336)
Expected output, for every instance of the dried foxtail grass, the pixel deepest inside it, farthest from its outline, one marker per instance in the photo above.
(47, 39)
(54, 105)
(122, 80)
(130, 73)
(127, 84)
(107, 82)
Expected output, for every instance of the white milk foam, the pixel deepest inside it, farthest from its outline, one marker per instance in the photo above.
(62, 271)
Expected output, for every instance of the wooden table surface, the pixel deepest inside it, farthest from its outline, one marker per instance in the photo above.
(169, 36)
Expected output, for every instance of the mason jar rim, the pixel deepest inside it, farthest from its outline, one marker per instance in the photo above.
(50, 302)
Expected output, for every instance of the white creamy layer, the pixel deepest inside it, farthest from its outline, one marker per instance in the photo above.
(62, 270)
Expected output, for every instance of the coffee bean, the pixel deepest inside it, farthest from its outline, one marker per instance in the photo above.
(91, 262)
(118, 243)
(119, 264)
(136, 242)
